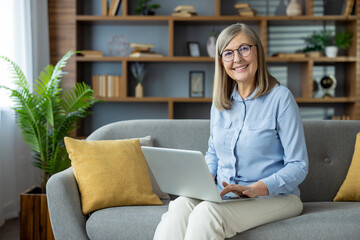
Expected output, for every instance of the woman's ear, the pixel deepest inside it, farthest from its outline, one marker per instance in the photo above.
(220, 60)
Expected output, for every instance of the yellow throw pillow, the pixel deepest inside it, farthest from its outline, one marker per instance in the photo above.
(349, 190)
(110, 173)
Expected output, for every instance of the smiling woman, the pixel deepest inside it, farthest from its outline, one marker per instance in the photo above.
(256, 147)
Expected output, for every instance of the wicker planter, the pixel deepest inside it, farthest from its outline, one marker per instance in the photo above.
(34, 216)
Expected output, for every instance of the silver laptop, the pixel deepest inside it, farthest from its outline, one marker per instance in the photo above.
(184, 173)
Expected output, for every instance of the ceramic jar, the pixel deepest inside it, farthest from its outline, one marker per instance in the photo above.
(293, 8)
(211, 46)
(139, 90)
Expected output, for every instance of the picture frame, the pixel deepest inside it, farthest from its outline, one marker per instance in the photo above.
(193, 49)
(197, 84)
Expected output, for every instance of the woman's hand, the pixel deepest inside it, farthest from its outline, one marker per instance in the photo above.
(256, 189)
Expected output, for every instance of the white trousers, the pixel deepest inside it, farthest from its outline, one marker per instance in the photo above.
(193, 219)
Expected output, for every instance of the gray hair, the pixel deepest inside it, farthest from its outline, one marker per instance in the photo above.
(223, 84)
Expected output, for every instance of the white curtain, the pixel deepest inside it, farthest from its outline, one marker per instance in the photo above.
(25, 40)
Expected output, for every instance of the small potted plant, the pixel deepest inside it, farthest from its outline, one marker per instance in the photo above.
(328, 42)
(145, 8)
(334, 42)
(314, 44)
(138, 71)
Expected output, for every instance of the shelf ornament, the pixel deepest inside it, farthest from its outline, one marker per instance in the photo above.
(211, 45)
(293, 8)
(145, 8)
(138, 71)
(118, 46)
(328, 83)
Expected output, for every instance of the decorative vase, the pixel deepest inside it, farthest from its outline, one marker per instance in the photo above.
(331, 51)
(293, 8)
(139, 90)
(211, 46)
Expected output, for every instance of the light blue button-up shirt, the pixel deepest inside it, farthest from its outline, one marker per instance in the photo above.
(259, 139)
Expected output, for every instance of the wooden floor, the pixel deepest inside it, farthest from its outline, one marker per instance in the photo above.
(10, 230)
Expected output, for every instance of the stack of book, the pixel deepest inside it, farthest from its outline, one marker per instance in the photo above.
(343, 117)
(91, 53)
(112, 9)
(244, 9)
(143, 50)
(184, 11)
(106, 86)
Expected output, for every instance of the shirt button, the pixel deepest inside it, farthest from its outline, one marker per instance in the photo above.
(327, 160)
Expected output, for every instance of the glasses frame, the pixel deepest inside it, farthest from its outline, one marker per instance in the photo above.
(237, 49)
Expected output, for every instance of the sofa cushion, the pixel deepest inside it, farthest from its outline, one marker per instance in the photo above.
(137, 222)
(336, 220)
(110, 173)
(349, 190)
(319, 220)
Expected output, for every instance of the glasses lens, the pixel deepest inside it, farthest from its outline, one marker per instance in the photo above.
(228, 56)
(244, 50)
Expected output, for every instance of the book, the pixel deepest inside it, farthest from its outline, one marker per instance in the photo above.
(188, 8)
(141, 45)
(142, 54)
(104, 7)
(91, 53)
(106, 86)
(138, 49)
(95, 85)
(246, 13)
(294, 55)
(349, 4)
(183, 14)
(241, 5)
(114, 7)
(244, 9)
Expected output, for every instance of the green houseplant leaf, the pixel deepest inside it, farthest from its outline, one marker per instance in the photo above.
(48, 114)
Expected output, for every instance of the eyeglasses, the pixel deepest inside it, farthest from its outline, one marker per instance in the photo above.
(244, 51)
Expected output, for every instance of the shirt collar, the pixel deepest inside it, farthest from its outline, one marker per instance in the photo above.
(236, 95)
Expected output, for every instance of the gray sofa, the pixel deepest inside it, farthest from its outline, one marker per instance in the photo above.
(330, 147)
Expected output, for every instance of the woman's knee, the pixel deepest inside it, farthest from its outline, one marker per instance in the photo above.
(181, 207)
(184, 203)
(205, 222)
(205, 212)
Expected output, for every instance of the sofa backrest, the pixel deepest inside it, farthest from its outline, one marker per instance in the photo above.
(330, 146)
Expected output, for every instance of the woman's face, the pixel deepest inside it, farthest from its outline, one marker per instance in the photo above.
(241, 69)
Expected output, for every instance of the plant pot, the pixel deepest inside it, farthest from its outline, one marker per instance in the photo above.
(148, 12)
(314, 54)
(34, 216)
(139, 90)
(331, 51)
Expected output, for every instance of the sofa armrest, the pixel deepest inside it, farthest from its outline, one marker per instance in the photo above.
(63, 197)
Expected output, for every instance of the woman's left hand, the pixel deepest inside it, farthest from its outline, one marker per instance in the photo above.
(256, 189)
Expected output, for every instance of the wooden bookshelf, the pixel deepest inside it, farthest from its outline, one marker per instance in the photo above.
(72, 26)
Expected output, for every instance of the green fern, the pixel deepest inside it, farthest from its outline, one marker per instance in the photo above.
(48, 114)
